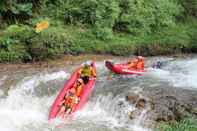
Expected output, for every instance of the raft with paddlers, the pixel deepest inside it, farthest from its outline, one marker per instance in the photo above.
(68, 92)
(122, 69)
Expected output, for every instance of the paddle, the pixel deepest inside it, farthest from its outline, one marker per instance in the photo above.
(110, 75)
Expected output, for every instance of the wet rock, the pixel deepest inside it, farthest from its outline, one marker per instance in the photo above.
(169, 103)
(194, 110)
(141, 103)
(132, 98)
(133, 114)
(136, 100)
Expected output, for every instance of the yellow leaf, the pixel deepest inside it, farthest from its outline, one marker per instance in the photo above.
(41, 26)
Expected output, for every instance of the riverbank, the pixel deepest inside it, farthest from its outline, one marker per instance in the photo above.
(69, 60)
(62, 62)
(59, 40)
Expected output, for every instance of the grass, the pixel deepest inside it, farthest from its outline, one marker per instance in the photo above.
(183, 125)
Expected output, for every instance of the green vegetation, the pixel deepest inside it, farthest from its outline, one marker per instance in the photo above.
(118, 27)
(184, 125)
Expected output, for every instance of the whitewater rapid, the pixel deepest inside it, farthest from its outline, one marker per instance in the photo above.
(179, 73)
(27, 104)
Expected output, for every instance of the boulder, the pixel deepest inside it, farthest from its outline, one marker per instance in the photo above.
(141, 103)
(170, 103)
(132, 97)
(133, 114)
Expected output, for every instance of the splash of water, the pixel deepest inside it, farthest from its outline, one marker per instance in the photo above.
(180, 73)
(2, 80)
(21, 108)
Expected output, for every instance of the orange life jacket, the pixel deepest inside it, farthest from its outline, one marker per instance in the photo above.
(78, 89)
(93, 72)
(70, 101)
(140, 65)
(132, 64)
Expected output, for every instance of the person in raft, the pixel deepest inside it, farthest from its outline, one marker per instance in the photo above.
(78, 86)
(87, 72)
(157, 65)
(69, 102)
(137, 63)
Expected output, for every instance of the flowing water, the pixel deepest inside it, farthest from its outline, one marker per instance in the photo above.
(26, 105)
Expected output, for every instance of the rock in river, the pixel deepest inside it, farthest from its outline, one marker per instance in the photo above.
(170, 103)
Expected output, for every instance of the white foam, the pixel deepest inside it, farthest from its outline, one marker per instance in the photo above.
(29, 83)
(94, 110)
(2, 80)
(21, 108)
(182, 73)
(105, 111)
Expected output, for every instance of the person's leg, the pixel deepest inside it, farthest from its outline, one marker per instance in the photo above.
(68, 110)
(62, 110)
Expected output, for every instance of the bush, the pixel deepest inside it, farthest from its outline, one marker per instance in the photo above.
(192, 31)
(76, 49)
(121, 49)
(119, 27)
(15, 54)
(142, 17)
(12, 43)
(103, 33)
(48, 44)
(19, 32)
(153, 49)
(99, 47)
(6, 43)
(184, 125)
(13, 11)
(170, 40)
(190, 7)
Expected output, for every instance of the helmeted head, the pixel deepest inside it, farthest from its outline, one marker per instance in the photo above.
(80, 81)
(135, 60)
(140, 58)
(87, 64)
(72, 92)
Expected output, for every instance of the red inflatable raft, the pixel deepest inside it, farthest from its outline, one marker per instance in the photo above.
(68, 85)
(122, 69)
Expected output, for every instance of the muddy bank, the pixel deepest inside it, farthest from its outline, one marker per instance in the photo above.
(67, 60)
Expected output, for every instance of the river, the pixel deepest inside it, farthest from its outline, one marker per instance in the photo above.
(25, 99)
